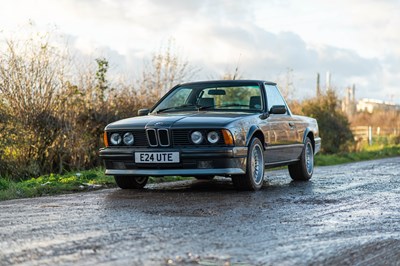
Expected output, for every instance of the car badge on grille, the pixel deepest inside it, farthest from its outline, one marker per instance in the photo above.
(159, 123)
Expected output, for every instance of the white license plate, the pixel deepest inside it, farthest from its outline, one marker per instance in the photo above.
(156, 157)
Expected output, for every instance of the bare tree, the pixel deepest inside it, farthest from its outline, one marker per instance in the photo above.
(286, 84)
(167, 69)
(232, 75)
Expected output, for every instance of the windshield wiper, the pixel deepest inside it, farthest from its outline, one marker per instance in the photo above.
(226, 105)
(176, 107)
(205, 107)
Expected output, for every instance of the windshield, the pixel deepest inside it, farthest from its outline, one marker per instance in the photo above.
(230, 98)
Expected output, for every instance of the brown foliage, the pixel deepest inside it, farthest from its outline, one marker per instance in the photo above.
(30, 77)
(53, 124)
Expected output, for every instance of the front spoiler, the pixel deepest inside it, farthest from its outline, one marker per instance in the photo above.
(181, 172)
(317, 145)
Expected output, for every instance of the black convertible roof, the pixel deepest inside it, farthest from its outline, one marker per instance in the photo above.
(228, 82)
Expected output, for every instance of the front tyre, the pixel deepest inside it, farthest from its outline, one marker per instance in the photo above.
(303, 169)
(254, 177)
(131, 182)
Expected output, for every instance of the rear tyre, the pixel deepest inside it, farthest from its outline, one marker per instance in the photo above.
(303, 169)
(254, 177)
(204, 177)
(131, 182)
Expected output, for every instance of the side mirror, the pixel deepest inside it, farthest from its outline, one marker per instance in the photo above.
(143, 112)
(278, 109)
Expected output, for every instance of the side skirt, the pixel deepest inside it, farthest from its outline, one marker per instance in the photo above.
(277, 164)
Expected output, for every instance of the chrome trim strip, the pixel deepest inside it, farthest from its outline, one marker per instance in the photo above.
(282, 162)
(284, 146)
(239, 151)
(164, 172)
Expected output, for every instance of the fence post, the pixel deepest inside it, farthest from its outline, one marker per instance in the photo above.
(369, 135)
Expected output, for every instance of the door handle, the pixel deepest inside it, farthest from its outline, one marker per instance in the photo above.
(291, 124)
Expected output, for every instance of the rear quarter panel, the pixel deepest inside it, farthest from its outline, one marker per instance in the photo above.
(304, 126)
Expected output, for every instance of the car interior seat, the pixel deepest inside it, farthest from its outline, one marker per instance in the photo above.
(255, 102)
(206, 102)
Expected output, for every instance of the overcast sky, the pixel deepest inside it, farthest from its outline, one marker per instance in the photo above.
(357, 41)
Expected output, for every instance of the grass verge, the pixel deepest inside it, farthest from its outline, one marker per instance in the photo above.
(369, 153)
(96, 179)
(54, 184)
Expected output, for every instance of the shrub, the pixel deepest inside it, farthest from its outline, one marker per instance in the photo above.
(333, 124)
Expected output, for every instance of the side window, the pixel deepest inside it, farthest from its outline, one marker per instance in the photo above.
(274, 97)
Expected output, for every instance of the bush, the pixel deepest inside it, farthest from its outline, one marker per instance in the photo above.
(333, 124)
(52, 122)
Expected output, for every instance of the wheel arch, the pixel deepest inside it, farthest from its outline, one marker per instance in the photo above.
(308, 133)
(255, 131)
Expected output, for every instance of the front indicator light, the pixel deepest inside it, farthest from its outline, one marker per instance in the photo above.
(228, 138)
(105, 139)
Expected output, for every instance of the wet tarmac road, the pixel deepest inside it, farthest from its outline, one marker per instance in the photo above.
(346, 215)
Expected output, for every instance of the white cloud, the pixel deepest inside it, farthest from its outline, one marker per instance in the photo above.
(357, 41)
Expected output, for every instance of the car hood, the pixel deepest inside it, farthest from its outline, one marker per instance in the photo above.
(179, 120)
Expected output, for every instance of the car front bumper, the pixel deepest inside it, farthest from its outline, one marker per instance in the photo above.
(317, 145)
(225, 161)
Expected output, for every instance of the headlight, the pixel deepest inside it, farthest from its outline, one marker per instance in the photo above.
(128, 139)
(212, 137)
(115, 139)
(197, 137)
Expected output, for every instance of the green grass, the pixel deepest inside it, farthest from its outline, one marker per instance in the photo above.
(96, 179)
(368, 153)
(54, 184)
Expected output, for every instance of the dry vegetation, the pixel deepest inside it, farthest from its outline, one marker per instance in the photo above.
(50, 122)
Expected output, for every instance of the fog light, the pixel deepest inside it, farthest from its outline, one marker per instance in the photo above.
(204, 164)
(119, 165)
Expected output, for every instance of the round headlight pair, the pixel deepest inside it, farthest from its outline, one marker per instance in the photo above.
(116, 139)
(197, 137)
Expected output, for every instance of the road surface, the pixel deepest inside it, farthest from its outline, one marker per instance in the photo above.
(346, 215)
